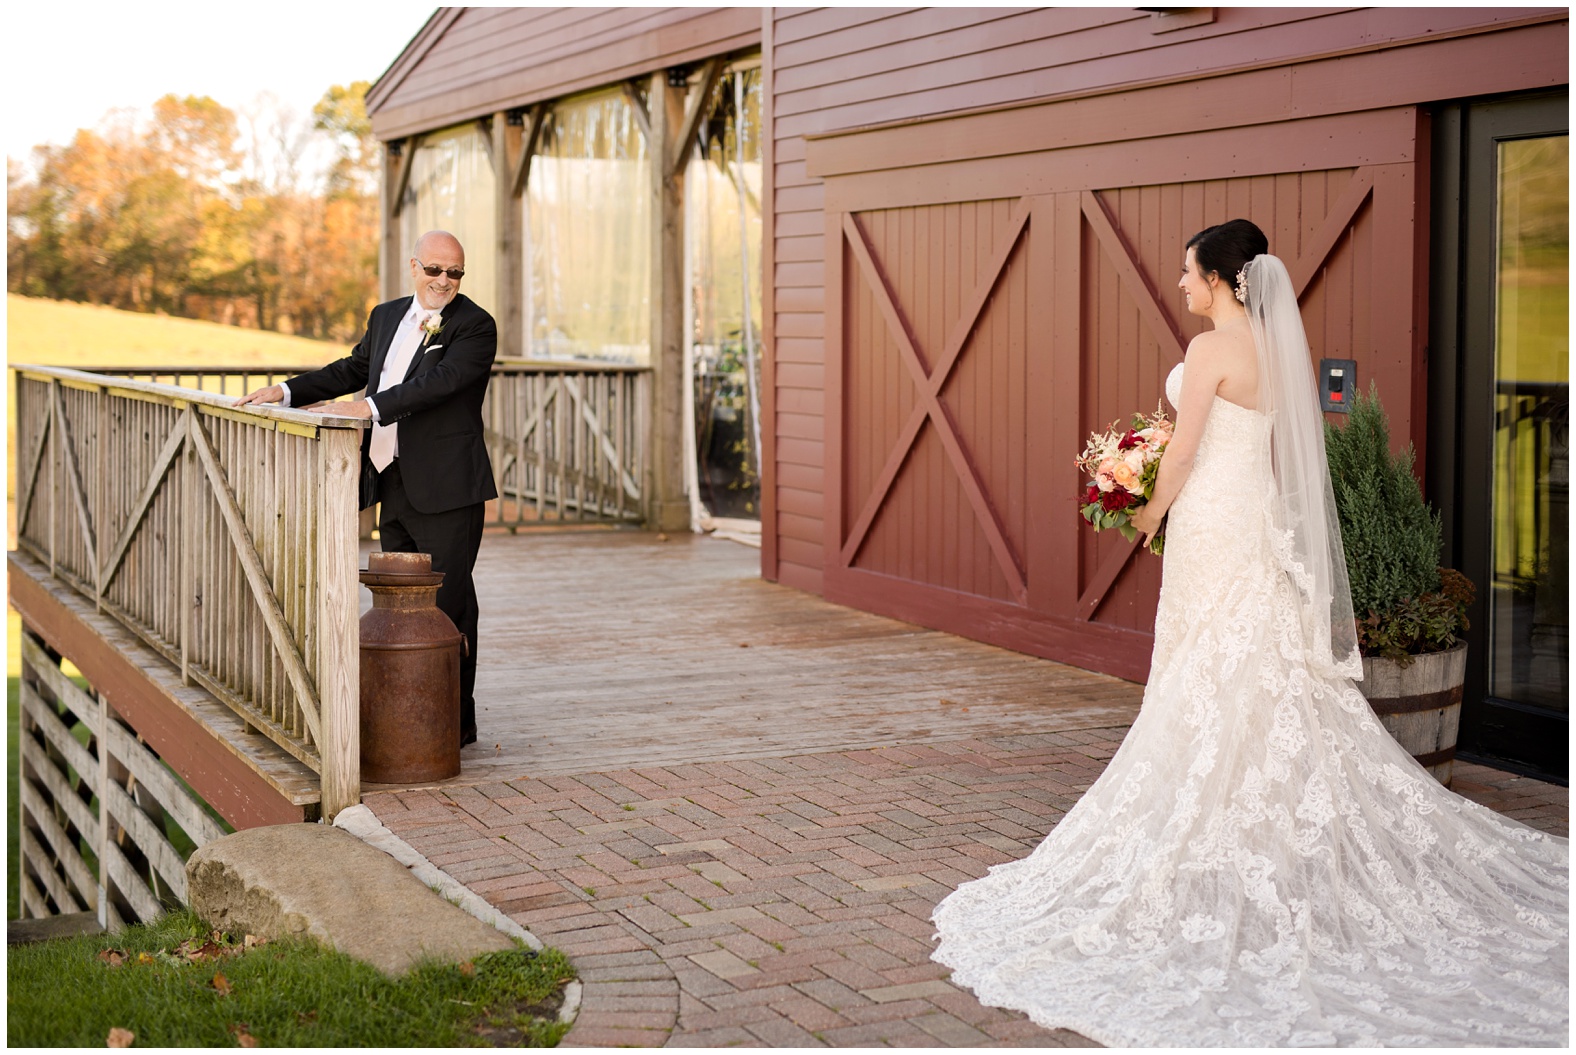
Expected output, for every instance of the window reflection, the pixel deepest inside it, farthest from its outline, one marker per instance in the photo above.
(1530, 596)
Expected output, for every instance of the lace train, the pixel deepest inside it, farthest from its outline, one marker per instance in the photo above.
(1260, 863)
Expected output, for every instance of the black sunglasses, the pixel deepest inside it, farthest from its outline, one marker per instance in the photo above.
(433, 271)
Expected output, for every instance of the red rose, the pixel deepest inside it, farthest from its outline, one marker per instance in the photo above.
(1129, 441)
(1116, 499)
(1091, 495)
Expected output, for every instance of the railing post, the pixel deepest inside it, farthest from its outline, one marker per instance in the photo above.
(338, 629)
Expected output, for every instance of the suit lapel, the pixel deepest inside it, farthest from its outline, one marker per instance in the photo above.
(449, 313)
(385, 341)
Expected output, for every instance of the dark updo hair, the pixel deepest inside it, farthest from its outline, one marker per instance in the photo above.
(1227, 247)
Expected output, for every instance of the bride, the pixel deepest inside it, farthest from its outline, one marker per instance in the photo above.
(1260, 864)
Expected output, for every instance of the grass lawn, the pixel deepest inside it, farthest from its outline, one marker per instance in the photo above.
(60, 333)
(170, 985)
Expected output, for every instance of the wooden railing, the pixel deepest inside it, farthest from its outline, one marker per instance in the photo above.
(567, 439)
(99, 813)
(225, 540)
(220, 380)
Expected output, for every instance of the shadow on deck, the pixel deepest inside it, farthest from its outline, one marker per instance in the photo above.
(613, 649)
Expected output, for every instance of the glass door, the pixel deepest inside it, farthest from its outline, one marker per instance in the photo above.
(1529, 609)
(1499, 431)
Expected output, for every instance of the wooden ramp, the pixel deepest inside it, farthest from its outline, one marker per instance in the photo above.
(614, 649)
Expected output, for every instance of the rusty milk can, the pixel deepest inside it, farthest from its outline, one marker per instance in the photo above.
(410, 674)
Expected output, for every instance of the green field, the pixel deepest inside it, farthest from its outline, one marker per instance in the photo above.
(58, 333)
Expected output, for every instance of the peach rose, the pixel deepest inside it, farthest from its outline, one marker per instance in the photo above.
(1103, 476)
(1125, 476)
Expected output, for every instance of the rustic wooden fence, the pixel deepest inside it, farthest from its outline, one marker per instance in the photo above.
(568, 440)
(225, 540)
(105, 827)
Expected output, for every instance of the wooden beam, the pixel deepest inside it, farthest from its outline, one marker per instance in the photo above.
(161, 466)
(407, 155)
(638, 105)
(396, 177)
(666, 504)
(245, 778)
(694, 110)
(484, 131)
(1104, 228)
(1339, 218)
(338, 731)
(508, 310)
(74, 478)
(531, 139)
(30, 479)
(1104, 578)
(257, 579)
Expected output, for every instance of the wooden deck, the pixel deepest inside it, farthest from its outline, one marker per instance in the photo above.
(610, 649)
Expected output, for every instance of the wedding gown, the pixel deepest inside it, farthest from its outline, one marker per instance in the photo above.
(1260, 863)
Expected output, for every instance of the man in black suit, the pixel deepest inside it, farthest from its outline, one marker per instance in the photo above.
(424, 363)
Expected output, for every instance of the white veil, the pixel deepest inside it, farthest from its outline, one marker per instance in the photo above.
(1308, 533)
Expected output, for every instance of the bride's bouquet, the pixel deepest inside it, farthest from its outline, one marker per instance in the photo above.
(1121, 465)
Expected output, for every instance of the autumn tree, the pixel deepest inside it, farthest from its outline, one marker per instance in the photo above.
(195, 212)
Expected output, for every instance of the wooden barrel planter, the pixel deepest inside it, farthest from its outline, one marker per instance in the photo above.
(1420, 704)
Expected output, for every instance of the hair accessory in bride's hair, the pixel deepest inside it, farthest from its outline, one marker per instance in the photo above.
(1242, 284)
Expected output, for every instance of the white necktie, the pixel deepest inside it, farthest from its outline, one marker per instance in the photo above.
(385, 438)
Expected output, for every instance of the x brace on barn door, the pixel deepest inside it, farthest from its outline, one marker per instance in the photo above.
(1341, 216)
(929, 406)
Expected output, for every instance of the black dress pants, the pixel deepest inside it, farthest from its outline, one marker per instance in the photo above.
(453, 538)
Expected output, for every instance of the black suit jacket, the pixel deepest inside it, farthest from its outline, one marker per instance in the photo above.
(442, 453)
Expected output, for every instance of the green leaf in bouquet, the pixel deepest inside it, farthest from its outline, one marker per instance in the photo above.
(1147, 479)
(1129, 532)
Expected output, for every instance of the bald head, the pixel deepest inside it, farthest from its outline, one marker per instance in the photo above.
(439, 241)
(439, 252)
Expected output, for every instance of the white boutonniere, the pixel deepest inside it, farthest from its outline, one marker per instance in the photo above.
(433, 325)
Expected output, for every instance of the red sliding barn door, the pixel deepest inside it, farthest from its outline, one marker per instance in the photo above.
(974, 344)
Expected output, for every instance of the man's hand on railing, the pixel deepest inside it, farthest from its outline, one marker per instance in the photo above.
(271, 394)
(356, 408)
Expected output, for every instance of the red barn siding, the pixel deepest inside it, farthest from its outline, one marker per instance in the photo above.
(1270, 113)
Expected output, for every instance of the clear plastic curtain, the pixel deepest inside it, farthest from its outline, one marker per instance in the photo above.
(451, 189)
(588, 234)
(722, 207)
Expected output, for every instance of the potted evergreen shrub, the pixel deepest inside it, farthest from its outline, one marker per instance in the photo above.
(1409, 610)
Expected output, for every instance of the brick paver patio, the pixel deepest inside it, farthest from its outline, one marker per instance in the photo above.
(783, 901)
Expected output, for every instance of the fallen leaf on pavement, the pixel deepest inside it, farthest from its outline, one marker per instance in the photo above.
(113, 957)
(120, 1038)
